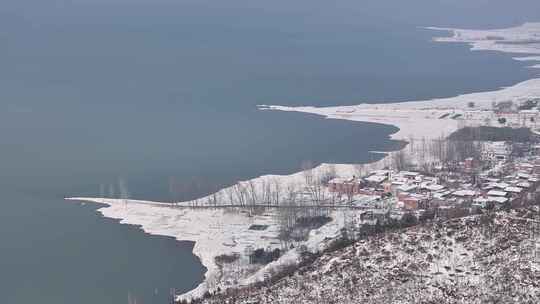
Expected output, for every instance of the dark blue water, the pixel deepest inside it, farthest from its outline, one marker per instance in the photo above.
(165, 92)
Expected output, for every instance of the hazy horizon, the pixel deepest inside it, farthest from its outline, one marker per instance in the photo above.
(149, 91)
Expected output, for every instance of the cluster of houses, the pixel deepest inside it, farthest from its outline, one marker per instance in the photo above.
(473, 185)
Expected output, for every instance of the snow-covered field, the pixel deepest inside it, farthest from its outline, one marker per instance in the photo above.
(523, 39)
(213, 230)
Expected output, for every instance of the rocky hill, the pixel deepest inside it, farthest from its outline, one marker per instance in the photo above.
(490, 258)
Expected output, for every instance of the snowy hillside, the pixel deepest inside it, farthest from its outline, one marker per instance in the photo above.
(478, 259)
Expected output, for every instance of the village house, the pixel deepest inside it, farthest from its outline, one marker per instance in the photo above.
(447, 192)
(350, 186)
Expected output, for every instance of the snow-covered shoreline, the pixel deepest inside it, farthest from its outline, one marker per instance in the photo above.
(212, 229)
(422, 119)
(523, 39)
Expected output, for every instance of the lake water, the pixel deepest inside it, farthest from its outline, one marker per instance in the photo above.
(164, 92)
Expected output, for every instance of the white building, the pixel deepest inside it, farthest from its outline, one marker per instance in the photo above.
(497, 151)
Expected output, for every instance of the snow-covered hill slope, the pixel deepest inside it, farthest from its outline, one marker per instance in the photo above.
(478, 259)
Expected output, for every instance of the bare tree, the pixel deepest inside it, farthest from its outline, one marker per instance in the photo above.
(399, 160)
(276, 192)
(439, 150)
(360, 170)
(230, 195)
(252, 195)
(317, 191)
(287, 214)
(214, 198)
(335, 197)
(328, 174)
(266, 190)
(240, 194)
(350, 191)
(411, 144)
(307, 171)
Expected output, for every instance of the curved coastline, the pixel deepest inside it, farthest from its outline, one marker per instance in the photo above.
(414, 119)
(159, 218)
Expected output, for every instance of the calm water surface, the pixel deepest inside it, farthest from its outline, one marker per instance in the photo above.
(161, 92)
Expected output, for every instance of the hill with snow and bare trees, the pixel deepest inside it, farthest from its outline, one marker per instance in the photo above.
(489, 258)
